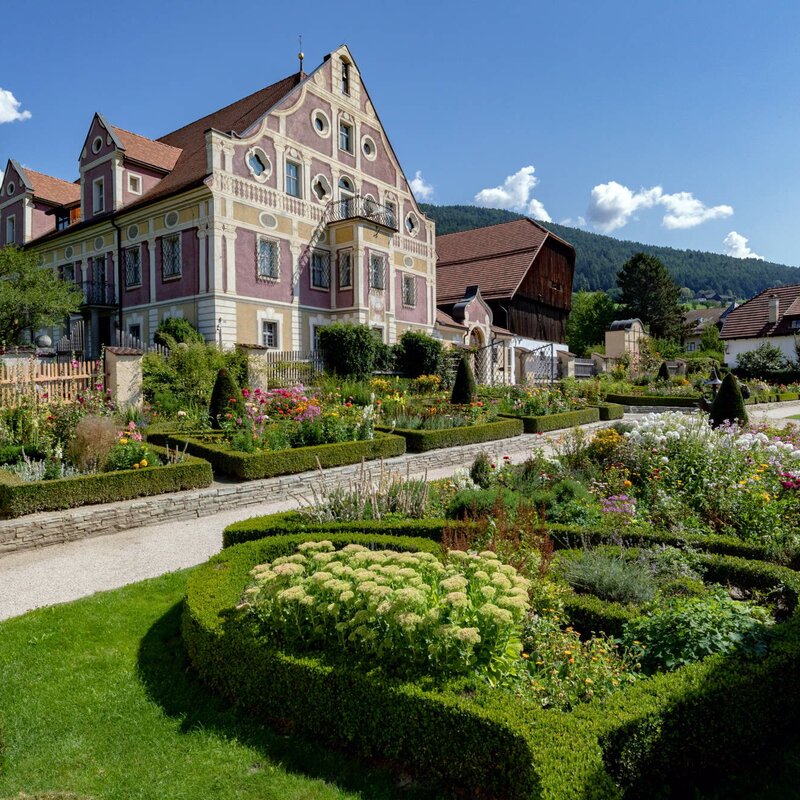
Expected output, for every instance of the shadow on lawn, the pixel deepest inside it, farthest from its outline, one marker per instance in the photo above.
(170, 681)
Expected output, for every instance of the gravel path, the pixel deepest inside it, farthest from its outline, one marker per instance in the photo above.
(60, 573)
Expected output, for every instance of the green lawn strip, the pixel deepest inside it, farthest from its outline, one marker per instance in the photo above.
(96, 699)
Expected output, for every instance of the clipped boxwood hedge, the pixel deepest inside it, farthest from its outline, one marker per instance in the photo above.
(609, 411)
(565, 537)
(700, 719)
(554, 422)
(653, 400)
(268, 464)
(418, 441)
(19, 498)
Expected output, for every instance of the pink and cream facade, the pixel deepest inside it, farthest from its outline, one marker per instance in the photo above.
(280, 213)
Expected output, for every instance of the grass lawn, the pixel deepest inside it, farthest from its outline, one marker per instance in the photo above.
(96, 699)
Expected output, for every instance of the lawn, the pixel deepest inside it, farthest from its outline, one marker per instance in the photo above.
(96, 699)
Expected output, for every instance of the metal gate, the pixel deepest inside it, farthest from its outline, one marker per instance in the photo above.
(539, 365)
(490, 364)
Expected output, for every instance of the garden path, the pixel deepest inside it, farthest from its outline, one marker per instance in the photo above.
(59, 573)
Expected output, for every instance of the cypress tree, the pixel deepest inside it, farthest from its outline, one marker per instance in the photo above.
(663, 373)
(465, 389)
(225, 390)
(729, 403)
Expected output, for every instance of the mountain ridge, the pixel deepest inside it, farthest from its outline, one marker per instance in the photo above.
(599, 257)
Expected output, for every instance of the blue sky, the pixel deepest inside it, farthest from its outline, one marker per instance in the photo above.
(673, 123)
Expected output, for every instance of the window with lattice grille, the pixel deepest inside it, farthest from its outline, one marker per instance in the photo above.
(269, 334)
(268, 259)
(321, 269)
(345, 269)
(133, 266)
(171, 256)
(409, 291)
(377, 272)
(67, 272)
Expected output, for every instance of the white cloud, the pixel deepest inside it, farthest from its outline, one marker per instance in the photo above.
(516, 195)
(612, 205)
(9, 108)
(422, 191)
(736, 246)
(578, 222)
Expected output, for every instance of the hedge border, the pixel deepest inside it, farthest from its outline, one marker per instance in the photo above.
(418, 441)
(555, 422)
(609, 411)
(653, 400)
(19, 499)
(703, 717)
(565, 537)
(252, 466)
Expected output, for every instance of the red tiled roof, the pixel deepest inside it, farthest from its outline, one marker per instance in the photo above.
(191, 168)
(751, 319)
(495, 258)
(52, 190)
(447, 321)
(140, 148)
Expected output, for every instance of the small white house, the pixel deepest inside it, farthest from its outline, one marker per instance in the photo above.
(772, 316)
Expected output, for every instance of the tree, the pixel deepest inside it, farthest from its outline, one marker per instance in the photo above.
(225, 398)
(419, 354)
(649, 293)
(31, 296)
(762, 362)
(465, 389)
(591, 314)
(709, 339)
(348, 350)
(728, 405)
(176, 330)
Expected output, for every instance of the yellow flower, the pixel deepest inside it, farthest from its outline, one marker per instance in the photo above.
(123, 441)
(588, 680)
(626, 483)
(136, 466)
(766, 496)
(143, 462)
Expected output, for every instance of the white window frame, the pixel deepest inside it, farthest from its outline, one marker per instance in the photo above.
(98, 193)
(349, 255)
(299, 166)
(326, 275)
(374, 285)
(133, 178)
(409, 298)
(138, 326)
(274, 271)
(172, 275)
(276, 334)
(11, 229)
(350, 133)
(137, 249)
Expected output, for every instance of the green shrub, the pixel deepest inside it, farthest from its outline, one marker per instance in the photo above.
(475, 503)
(766, 361)
(348, 350)
(608, 577)
(418, 354)
(176, 330)
(663, 373)
(465, 389)
(385, 357)
(609, 411)
(420, 441)
(268, 464)
(728, 405)
(407, 612)
(11, 453)
(226, 398)
(106, 487)
(675, 401)
(683, 630)
(482, 471)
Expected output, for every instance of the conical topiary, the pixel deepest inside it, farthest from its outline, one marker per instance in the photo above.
(729, 403)
(225, 398)
(465, 390)
(663, 373)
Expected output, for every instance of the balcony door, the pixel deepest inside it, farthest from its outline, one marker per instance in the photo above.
(346, 198)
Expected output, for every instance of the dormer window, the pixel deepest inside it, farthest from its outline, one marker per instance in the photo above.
(134, 183)
(62, 220)
(345, 77)
(98, 196)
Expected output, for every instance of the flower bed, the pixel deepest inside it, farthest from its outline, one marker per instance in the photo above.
(674, 401)
(420, 441)
(705, 716)
(18, 498)
(558, 421)
(268, 464)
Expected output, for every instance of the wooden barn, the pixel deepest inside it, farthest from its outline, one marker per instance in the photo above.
(523, 271)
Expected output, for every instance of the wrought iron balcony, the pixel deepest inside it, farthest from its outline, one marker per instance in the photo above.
(98, 294)
(365, 208)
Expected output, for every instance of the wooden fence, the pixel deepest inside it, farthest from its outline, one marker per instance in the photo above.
(280, 368)
(22, 379)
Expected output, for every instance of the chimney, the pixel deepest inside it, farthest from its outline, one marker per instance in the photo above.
(774, 308)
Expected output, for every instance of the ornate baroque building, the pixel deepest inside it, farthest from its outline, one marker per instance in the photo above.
(258, 223)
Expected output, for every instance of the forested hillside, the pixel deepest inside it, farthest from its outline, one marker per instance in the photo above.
(600, 257)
